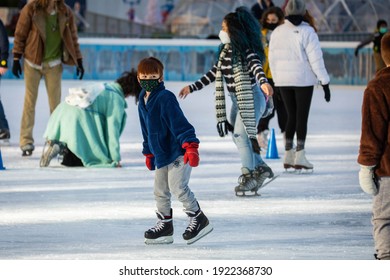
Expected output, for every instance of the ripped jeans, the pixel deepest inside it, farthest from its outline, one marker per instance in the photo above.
(249, 158)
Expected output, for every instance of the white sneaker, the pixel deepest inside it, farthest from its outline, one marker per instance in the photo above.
(301, 162)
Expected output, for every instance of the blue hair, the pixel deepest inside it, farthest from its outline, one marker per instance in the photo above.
(244, 33)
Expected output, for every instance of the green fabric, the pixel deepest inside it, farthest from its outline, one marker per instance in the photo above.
(53, 39)
(92, 134)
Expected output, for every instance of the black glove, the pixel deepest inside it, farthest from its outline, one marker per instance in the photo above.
(356, 51)
(255, 145)
(16, 69)
(80, 69)
(327, 92)
(224, 127)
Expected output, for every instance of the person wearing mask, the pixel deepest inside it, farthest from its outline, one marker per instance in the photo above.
(240, 66)
(46, 36)
(170, 147)
(296, 67)
(272, 17)
(380, 31)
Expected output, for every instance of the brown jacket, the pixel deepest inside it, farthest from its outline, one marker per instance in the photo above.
(30, 34)
(375, 137)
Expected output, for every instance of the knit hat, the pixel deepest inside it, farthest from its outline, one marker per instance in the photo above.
(295, 7)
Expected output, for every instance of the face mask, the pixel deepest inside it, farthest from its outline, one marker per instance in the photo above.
(270, 26)
(224, 37)
(149, 85)
(383, 30)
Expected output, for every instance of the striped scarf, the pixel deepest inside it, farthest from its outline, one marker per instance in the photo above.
(245, 100)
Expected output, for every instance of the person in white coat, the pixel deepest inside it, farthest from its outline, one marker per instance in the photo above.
(296, 67)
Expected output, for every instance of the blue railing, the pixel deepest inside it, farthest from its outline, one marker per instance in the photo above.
(189, 59)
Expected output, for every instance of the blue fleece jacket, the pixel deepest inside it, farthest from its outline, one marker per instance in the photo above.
(164, 127)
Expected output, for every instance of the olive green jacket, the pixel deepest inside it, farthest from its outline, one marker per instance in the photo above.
(30, 34)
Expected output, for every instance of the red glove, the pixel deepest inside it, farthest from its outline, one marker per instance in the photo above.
(191, 155)
(149, 161)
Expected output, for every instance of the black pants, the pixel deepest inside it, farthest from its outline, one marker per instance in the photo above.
(280, 110)
(297, 101)
(70, 159)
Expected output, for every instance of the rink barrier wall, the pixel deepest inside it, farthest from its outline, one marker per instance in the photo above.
(189, 59)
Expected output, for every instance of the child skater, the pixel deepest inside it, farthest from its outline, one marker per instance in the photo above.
(170, 147)
(239, 68)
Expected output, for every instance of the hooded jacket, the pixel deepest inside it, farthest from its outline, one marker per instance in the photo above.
(295, 56)
(30, 34)
(164, 127)
(93, 133)
(375, 136)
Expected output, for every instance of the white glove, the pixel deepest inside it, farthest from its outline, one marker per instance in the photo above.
(367, 180)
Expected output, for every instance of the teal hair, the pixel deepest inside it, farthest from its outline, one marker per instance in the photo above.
(244, 32)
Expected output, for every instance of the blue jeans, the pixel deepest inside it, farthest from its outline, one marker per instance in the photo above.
(249, 158)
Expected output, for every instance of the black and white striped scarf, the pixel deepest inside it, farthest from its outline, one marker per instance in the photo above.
(245, 101)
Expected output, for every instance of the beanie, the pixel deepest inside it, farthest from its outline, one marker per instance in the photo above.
(295, 7)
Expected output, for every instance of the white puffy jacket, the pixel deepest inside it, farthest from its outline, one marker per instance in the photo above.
(295, 56)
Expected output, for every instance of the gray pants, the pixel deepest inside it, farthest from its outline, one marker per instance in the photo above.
(381, 219)
(174, 179)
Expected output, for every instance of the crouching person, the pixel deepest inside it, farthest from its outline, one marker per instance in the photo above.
(86, 127)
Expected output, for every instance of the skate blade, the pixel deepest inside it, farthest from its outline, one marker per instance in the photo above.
(304, 170)
(160, 240)
(209, 228)
(5, 142)
(26, 153)
(247, 193)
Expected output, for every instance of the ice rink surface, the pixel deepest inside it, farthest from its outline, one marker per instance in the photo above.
(100, 214)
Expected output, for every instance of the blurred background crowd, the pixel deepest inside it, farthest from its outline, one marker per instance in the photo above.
(337, 20)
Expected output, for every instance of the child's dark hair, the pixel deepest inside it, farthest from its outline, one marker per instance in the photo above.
(129, 84)
(244, 33)
(150, 65)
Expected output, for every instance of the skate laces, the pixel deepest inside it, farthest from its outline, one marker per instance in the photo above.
(193, 224)
(159, 226)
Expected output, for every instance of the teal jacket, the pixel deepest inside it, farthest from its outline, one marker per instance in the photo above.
(92, 134)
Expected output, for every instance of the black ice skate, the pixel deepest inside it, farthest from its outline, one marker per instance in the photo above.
(27, 150)
(198, 227)
(5, 136)
(247, 183)
(50, 151)
(261, 173)
(162, 232)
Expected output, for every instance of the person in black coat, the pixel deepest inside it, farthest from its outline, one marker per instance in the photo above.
(375, 38)
(4, 52)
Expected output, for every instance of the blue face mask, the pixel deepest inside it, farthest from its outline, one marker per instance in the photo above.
(383, 30)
